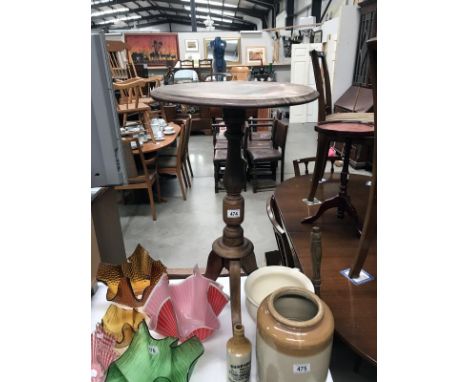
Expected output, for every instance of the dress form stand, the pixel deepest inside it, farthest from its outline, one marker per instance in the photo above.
(233, 251)
(219, 47)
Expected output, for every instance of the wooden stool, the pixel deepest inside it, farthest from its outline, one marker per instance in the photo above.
(347, 132)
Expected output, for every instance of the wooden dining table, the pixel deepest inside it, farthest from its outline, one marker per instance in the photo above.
(354, 307)
(151, 147)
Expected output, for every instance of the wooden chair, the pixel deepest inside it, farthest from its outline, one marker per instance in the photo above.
(266, 158)
(325, 113)
(322, 83)
(144, 180)
(170, 114)
(306, 161)
(219, 139)
(122, 68)
(285, 253)
(219, 163)
(205, 66)
(240, 73)
(174, 164)
(369, 231)
(186, 64)
(130, 103)
(261, 129)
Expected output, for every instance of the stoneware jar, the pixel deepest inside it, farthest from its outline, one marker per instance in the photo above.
(294, 337)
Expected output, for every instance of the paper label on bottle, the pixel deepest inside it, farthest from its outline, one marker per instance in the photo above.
(239, 368)
(301, 368)
(233, 213)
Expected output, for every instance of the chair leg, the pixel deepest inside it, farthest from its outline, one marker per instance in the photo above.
(184, 175)
(187, 173)
(158, 188)
(153, 208)
(181, 183)
(273, 170)
(254, 177)
(320, 161)
(245, 176)
(216, 177)
(282, 170)
(189, 165)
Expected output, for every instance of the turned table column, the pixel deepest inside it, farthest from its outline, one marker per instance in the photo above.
(233, 251)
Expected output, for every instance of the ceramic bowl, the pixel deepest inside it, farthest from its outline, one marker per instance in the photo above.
(266, 280)
(188, 309)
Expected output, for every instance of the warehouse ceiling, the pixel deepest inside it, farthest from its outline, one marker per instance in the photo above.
(226, 14)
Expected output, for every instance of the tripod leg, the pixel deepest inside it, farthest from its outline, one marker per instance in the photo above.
(249, 263)
(214, 266)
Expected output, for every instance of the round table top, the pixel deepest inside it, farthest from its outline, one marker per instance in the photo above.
(236, 94)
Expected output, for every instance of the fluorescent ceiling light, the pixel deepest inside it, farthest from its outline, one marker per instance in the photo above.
(109, 12)
(96, 2)
(210, 2)
(214, 11)
(113, 21)
(215, 18)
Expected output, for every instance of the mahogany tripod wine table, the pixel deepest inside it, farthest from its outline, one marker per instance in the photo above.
(232, 250)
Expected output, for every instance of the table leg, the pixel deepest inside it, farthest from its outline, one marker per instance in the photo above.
(321, 159)
(232, 250)
(341, 201)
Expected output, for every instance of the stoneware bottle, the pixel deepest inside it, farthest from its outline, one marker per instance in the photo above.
(239, 354)
(294, 337)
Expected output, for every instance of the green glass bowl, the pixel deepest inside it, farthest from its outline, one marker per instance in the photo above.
(149, 359)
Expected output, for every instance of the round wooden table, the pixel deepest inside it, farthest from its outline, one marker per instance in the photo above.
(354, 307)
(233, 251)
(151, 147)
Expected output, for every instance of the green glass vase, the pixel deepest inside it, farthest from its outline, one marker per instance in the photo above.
(148, 359)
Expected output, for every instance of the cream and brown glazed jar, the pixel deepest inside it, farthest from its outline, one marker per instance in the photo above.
(294, 337)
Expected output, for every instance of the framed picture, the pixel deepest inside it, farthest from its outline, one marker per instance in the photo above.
(191, 45)
(153, 49)
(256, 55)
(318, 36)
(231, 53)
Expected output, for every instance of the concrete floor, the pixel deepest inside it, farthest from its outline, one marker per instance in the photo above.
(184, 231)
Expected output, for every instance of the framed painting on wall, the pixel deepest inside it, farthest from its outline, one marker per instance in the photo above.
(191, 45)
(153, 49)
(231, 53)
(255, 55)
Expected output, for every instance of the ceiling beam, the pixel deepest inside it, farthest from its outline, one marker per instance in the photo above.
(176, 19)
(258, 13)
(269, 6)
(237, 22)
(187, 13)
(170, 21)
